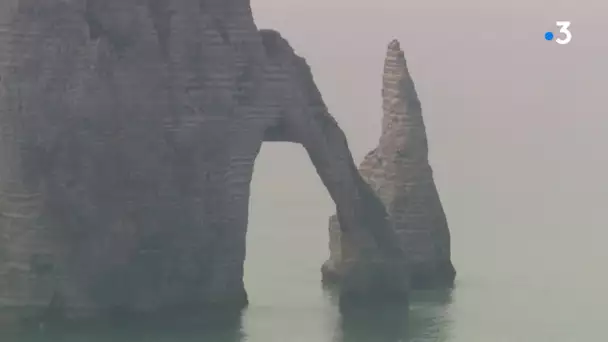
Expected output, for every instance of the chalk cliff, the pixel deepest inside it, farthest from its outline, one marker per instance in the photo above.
(128, 134)
(399, 171)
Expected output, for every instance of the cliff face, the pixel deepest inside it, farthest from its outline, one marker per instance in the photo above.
(128, 134)
(399, 171)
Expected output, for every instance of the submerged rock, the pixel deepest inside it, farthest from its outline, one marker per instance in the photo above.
(128, 134)
(399, 171)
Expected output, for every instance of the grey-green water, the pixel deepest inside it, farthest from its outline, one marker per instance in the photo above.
(540, 281)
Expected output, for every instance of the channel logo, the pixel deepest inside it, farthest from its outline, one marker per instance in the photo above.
(566, 35)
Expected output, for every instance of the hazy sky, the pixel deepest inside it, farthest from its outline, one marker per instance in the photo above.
(518, 126)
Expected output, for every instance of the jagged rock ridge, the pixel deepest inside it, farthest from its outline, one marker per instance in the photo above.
(399, 171)
(128, 134)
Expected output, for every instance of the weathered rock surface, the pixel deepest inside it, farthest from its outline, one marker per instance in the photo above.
(128, 134)
(399, 171)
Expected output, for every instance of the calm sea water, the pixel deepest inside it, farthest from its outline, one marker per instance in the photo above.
(541, 281)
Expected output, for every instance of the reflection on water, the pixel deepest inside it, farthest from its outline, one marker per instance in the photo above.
(428, 318)
(424, 321)
(387, 323)
(175, 328)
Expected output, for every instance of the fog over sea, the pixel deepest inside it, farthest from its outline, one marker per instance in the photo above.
(518, 138)
(518, 135)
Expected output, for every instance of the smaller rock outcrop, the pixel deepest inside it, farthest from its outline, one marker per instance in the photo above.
(399, 171)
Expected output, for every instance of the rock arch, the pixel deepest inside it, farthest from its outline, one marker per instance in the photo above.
(126, 155)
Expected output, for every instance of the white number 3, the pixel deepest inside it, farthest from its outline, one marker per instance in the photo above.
(563, 25)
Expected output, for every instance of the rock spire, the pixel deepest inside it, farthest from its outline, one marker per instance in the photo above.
(398, 170)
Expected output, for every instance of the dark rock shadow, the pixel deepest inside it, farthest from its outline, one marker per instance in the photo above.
(429, 318)
(424, 319)
(183, 326)
(369, 323)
